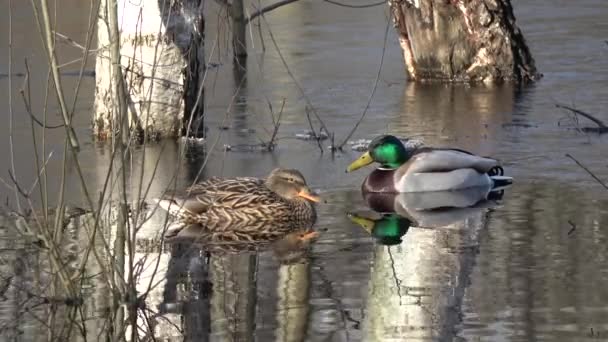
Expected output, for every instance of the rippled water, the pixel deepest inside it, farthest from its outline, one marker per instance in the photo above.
(530, 268)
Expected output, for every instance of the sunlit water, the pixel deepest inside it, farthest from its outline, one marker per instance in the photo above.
(533, 268)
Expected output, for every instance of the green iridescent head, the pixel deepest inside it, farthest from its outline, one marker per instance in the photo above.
(386, 150)
(387, 230)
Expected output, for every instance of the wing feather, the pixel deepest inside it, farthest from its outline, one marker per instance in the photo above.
(445, 160)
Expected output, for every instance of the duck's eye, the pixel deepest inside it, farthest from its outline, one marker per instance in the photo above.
(291, 180)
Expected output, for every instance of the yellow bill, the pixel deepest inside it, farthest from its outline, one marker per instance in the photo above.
(362, 161)
(305, 193)
(366, 223)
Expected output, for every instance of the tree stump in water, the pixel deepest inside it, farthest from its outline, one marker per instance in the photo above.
(462, 41)
(163, 61)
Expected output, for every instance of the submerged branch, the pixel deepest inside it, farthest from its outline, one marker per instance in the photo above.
(601, 125)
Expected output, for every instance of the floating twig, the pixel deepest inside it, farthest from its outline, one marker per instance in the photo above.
(573, 227)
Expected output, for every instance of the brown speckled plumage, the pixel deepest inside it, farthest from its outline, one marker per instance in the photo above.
(244, 208)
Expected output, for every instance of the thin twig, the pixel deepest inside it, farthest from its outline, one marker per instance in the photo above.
(573, 227)
(374, 4)
(293, 78)
(28, 110)
(588, 171)
(371, 95)
(223, 3)
(597, 121)
(268, 9)
(49, 44)
(16, 184)
(10, 98)
(69, 41)
(286, 2)
(276, 126)
(312, 128)
(260, 29)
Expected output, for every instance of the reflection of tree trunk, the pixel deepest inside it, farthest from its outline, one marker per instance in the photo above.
(457, 40)
(185, 297)
(234, 297)
(292, 307)
(159, 41)
(416, 288)
(457, 116)
(239, 42)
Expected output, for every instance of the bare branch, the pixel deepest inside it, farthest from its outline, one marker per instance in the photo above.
(588, 171)
(34, 118)
(312, 128)
(69, 40)
(49, 44)
(21, 191)
(371, 95)
(276, 127)
(373, 4)
(293, 78)
(286, 2)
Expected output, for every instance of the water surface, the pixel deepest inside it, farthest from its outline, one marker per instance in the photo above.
(517, 272)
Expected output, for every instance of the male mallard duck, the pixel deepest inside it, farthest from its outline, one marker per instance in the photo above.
(425, 168)
(244, 208)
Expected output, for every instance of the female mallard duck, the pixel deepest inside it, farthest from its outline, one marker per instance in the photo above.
(244, 208)
(425, 168)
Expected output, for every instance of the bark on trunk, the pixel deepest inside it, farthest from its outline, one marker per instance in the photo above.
(162, 56)
(462, 40)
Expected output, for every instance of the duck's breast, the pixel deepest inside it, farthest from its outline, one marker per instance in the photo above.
(380, 180)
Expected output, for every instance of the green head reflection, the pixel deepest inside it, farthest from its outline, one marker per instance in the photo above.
(387, 230)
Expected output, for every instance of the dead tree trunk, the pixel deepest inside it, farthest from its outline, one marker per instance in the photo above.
(462, 40)
(162, 56)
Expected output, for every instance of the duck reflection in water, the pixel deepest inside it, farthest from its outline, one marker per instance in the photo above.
(424, 253)
(211, 290)
(423, 209)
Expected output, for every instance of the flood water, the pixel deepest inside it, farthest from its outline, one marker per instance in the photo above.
(532, 266)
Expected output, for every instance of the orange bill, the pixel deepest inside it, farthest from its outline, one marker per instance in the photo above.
(305, 193)
(309, 235)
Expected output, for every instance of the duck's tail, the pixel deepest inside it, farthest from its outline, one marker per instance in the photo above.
(500, 182)
(174, 207)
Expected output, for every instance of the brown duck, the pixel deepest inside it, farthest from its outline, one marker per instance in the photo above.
(243, 208)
